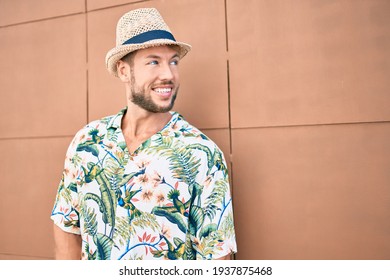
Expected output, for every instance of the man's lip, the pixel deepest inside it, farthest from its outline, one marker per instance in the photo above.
(162, 86)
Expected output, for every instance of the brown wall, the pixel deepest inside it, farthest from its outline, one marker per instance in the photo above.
(297, 92)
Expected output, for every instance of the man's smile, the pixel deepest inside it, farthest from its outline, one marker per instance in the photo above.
(164, 92)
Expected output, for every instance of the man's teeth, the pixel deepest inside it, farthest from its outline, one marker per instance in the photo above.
(162, 90)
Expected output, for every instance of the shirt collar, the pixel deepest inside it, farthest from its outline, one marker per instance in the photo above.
(116, 120)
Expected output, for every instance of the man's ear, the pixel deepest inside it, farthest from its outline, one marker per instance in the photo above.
(123, 70)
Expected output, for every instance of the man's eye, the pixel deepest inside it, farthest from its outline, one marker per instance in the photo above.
(153, 62)
(174, 62)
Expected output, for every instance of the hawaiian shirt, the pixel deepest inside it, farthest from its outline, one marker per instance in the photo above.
(170, 199)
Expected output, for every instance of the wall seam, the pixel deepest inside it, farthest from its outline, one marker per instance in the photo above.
(41, 19)
(115, 6)
(34, 137)
(86, 61)
(219, 128)
(228, 91)
(311, 125)
(231, 173)
(24, 255)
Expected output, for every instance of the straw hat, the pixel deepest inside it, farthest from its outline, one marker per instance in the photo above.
(140, 29)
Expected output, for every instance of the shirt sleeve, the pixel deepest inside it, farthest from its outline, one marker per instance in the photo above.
(65, 213)
(216, 237)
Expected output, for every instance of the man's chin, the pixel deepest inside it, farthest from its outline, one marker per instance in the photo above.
(153, 106)
(164, 109)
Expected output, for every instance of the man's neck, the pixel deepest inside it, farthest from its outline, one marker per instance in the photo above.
(140, 124)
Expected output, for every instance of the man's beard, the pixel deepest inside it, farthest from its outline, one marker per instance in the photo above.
(145, 102)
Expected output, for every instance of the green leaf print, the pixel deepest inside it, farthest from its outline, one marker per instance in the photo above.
(174, 196)
(99, 202)
(216, 198)
(107, 201)
(195, 219)
(108, 197)
(111, 135)
(227, 226)
(103, 245)
(206, 150)
(208, 246)
(90, 223)
(92, 172)
(183, 165)
(90, 145)
(115, 173)
(90, 148)
(173, 217)
(176, 253)
(207, 230)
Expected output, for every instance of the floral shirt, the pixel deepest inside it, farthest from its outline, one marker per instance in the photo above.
(170, 199)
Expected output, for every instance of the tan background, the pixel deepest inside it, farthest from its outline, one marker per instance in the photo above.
(296, 93)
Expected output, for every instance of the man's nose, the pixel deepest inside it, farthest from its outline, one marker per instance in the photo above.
(166, 72)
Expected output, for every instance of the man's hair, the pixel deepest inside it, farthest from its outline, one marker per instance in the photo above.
(129, 58)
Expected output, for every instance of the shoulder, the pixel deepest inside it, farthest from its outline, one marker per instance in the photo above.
(96, 128)
(99, 125)
(191, 135)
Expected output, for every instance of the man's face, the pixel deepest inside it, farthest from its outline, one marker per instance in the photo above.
(155, 78)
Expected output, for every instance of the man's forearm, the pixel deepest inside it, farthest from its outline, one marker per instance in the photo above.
(67, 245)
(226, 258)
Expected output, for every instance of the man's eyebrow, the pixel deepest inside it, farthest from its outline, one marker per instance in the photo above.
(155, 56)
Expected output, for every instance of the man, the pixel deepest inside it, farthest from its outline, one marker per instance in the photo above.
(144, 184)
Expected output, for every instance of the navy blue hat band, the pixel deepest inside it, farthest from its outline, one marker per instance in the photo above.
(149, 36)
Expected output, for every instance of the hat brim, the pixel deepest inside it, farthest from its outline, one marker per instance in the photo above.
(115, 54)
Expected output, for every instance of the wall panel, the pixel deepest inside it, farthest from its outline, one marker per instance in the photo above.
(20, 257)
(43, 85)
(18, 11)
(308, 62)
(100, 4)
(313, 192)
(30, 175)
